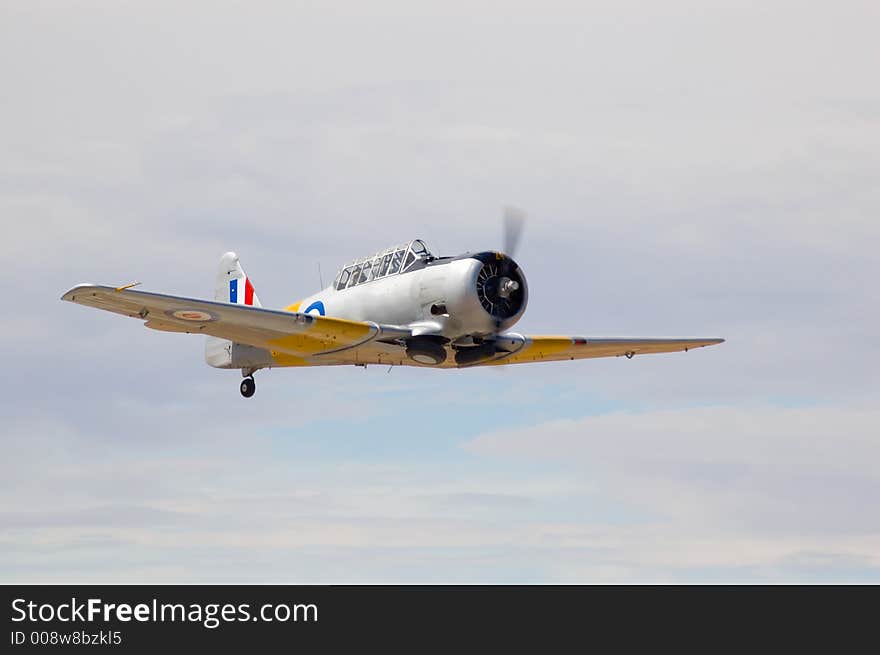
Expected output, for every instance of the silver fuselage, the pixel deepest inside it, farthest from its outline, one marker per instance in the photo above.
(416, 299)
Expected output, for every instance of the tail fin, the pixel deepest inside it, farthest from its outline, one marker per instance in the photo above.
(233, 285)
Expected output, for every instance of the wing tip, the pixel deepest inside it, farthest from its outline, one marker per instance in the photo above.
(70, 294)
(703, 343)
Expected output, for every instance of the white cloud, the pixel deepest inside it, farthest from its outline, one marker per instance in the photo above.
(750, 470)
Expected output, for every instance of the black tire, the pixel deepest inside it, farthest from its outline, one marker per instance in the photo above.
(429, 353)
(474, 354)
(248, 387)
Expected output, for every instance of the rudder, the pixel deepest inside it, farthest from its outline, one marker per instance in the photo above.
(232, 285)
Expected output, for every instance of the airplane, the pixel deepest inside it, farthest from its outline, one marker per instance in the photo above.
(402, 306)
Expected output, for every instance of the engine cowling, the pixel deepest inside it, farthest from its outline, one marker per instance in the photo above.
(501, 289)
(475, 295)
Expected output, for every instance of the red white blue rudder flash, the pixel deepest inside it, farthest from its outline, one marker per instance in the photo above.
(233, 285)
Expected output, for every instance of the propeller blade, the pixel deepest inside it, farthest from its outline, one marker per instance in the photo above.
(513, 222)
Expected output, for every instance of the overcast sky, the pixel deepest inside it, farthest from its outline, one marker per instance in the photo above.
(690, 168)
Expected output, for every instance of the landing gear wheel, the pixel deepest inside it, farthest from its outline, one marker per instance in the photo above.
(426, 352)
(474, 354)
(248, 387)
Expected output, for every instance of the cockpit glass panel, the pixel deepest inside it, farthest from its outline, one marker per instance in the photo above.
(395, 262)
(386, 260)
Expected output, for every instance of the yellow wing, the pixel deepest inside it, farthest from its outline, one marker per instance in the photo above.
(294, 339)
(291, 338)
(560, 348)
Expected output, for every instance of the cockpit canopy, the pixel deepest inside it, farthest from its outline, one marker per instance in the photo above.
(390, 261)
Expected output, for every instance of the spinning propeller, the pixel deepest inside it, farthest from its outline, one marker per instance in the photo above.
(501, 289)
(500, 284)
(513, 222)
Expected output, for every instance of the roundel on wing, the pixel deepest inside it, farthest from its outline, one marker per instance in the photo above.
(194, 315)
(317, 306)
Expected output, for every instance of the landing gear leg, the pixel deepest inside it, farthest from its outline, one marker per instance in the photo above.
(248, 386)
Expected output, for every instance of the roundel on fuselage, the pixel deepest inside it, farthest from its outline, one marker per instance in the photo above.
(316, 306)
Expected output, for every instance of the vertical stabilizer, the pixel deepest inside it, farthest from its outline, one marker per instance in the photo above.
(233, 286)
